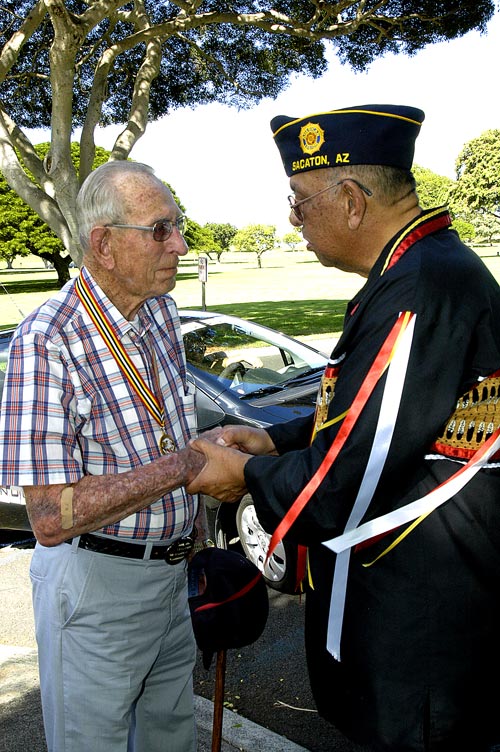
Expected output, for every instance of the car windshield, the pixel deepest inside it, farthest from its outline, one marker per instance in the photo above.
(244, 356)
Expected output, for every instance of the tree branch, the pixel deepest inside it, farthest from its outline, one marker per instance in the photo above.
(23, 146)
(12, 48)
(216, 63)
(80, 53)
(39, 200)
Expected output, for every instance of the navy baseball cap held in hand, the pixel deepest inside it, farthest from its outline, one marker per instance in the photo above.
(368, 134)
(228, 601)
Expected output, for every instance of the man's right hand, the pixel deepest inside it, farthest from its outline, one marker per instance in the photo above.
(222, 477)
(249, 440)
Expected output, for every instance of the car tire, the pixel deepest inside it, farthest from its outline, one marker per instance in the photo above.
(280, 571)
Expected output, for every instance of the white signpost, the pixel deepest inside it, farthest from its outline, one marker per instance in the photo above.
(203, 276)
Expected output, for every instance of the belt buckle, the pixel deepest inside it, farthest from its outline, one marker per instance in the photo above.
(179, 550)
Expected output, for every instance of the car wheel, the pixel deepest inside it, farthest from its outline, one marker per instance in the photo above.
(280, 571)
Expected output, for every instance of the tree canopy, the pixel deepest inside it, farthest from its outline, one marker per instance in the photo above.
(475, 196)
(478, 174)
(201, 239)
(69, 63)
(432, 189)
(223, 234)
(23, 231)
(256, 239)
(293, 239)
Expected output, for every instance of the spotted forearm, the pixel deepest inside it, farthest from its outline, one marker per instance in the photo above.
(99, 500)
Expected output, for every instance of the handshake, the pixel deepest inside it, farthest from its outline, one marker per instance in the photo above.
(226, 451)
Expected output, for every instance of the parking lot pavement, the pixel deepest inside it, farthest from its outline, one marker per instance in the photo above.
(20, 710)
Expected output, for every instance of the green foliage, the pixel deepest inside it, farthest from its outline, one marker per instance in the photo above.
(22, 231)
(234, 53)
(478, 175)
(256, 239)
(465, 229)
(474, 197)
(13, 215)
(402, 26)
(487, 227)
(70, 63)
(433, 190)
(219, 59)
(293, 239)
(200, 239)
(223, 235)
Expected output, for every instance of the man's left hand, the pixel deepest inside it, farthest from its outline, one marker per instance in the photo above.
(222, 476)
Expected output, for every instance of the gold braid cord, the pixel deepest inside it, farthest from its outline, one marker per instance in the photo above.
(475, 418)
(325, 396)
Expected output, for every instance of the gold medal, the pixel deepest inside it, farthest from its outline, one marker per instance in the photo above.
(166, 443)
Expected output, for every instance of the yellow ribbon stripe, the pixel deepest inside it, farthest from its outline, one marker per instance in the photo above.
(398, 539)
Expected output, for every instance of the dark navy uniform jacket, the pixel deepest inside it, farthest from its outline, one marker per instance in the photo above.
(420, 649)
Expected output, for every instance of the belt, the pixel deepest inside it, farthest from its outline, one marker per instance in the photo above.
(172, 554)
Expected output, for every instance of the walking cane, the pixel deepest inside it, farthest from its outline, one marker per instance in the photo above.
(220, 676)
(230, 610)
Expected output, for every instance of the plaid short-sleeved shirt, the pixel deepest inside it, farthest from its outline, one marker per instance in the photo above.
(68, 411)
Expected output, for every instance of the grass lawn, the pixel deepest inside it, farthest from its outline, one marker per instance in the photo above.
(292, 292)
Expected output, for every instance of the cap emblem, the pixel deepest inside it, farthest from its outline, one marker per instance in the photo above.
(311, 137)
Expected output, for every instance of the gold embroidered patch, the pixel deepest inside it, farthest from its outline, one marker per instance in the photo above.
(476, 417)
(325, 396)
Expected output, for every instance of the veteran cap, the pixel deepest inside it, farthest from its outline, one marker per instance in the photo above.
(228, 601)
(368, 134)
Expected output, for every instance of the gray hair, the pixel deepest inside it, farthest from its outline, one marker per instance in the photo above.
(389, 184)
(99, 200)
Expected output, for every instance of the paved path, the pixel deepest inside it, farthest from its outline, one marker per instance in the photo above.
(20, 712)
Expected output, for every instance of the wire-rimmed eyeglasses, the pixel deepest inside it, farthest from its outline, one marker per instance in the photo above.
(162, 229)
(295, 205)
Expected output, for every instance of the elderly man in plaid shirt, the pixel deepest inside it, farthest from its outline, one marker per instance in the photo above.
(96, 416)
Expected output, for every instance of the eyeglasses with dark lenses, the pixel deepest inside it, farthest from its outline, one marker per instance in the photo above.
(295, 205)
(161, 230)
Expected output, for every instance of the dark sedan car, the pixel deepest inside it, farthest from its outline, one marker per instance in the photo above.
(245, 373)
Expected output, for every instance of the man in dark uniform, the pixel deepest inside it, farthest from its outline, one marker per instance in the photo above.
(394, 487)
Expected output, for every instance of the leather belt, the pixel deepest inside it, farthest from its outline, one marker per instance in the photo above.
(172, 554)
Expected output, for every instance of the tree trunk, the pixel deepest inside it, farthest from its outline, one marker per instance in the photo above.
(61, 265)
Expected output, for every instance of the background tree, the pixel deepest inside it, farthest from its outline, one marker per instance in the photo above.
(293, 239)
(223, 235)
(23, 232)
(200, 239)
(12, 209)
(256, 239)
(476, 192)
(70, 63)
(486, 227)
(478, 175)
(465, 229)
(433, 190)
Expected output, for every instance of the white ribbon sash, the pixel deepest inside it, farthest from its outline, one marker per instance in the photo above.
(355, 533)
(389, 408)
(420, 507)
